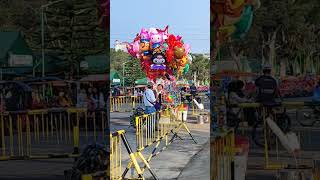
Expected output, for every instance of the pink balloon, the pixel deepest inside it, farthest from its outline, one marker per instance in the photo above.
(136, 46)
(178, 38)
(144, 34)
(164, 32)
(133, 49)
(187, 48)
(130, 49)
(153, 30)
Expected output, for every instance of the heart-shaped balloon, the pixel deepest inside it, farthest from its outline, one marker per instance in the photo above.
(187, 48)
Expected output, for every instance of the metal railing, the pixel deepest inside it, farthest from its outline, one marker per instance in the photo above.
(125, 103)
(222, 156)
(49, 133)
(151, 130)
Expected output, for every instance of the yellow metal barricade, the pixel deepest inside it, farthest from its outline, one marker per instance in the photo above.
(125, 103)
(222, 156)
(115, 156)
(116, 160)
(153, 129)
(76, 124)
(96, 121)
(49, 133)
(34, 135)
(116, 103)
(136, 101)
(316, 169)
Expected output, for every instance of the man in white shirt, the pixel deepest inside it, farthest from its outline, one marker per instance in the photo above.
(149, 99)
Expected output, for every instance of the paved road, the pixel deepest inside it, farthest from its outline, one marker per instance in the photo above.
(34, 169)
(198, 167)
(170, 163)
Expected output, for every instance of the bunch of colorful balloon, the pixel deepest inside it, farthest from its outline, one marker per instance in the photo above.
(162, 55)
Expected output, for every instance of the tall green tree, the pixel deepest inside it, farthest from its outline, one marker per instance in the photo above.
(71, 29)
(199, 68)
(282, 33)
(133, 71)
(122, 60)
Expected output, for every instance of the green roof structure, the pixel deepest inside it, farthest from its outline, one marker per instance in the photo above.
(12, 42)
(96, 64)
(142, 81)
(115, 78)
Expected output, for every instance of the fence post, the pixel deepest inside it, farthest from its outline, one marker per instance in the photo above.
(133, 102)
(86, 177)
(3, 137)
(76, 140)
(316, 169)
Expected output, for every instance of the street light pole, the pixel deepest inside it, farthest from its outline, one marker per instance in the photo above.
(123, 78)
(42, 40)
(123, 66)
(42, 32)
(123, 75)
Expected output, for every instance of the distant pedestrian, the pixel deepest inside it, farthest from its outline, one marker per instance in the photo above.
(101, 101)
(316, 93)
(82, 99)
(149, 99)
(129, 93)
(62, 100)
(159, 98)
(183, 92)
(193, 90)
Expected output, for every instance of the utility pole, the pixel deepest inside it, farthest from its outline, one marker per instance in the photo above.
(195, 77)
(42, 31)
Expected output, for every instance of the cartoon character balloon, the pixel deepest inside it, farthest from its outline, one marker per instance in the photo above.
(144, 45)
(158, 62)
(156, 40)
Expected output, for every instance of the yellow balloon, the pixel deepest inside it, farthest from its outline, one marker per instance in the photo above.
(183, 61)
(228, 20)
(227, 31)
(234, 4)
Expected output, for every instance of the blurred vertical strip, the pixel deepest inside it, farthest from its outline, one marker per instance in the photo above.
(213, 54)
(104, 14)
(104, 23)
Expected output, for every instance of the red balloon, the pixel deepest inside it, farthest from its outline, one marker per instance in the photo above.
(171, 40)
(178, 44)
(169, 55)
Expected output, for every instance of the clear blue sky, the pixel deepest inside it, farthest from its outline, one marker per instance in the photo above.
(188, 18)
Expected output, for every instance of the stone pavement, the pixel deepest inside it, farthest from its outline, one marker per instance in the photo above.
(199, 166)
(51, 169)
